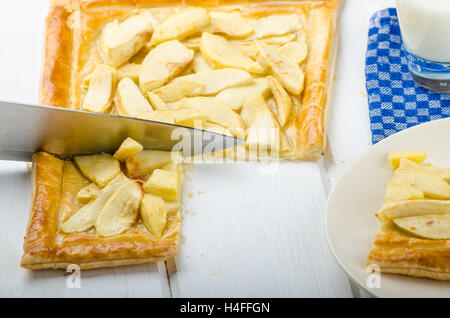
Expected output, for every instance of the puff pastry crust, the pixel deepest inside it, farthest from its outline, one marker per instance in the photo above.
(399, 254)
(55, 186)
(73, 26)
(397, 251)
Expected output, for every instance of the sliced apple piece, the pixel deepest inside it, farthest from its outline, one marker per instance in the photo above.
(216, 112)
(154, 214)
(164, 116)
(129, 100)
(100, 168)
(406, 208)
(273, 25)
(406, 163)
(236, 96)
(72, 182)
(192, 43)
(120, 41)
(128, 148)
(101, 86)
(435, 227)
(200, 65)
(265, 134)
(256, 68)
(282, 99)
(289, 74)
(253, 107)
(444, 173)
(431, 185)
(248, 47)
(144, 162)
(166, 184)
(175, 91)
(140, 56)
(181, 24)
(220, 53)
(156, 101)
(218, 80)
(183, 117)
(88, 193)
(416, 156)
(130, 70)
(279, 40)
(188, 117)
(231, 24)
(163, 63)
(85, 218)
(120, 211)
(294, 51)
(276, 42)
(216, 129)
(399, 192)
(172, 166)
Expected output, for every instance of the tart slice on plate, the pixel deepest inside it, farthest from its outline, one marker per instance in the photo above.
(414, 236)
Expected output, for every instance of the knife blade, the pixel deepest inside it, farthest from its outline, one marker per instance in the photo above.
(27, 128)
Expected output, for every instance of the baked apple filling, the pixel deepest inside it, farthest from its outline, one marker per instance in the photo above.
(115, 199)
(220, 70)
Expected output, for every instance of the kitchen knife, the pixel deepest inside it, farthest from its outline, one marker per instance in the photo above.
(26, 129)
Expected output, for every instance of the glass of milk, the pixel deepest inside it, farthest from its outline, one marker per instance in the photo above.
(425, 29)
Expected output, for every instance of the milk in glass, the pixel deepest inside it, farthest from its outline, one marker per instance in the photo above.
(425, 29)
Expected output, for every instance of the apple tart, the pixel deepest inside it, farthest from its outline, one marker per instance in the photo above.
(103, 210)
(259, 70)
(414, 237)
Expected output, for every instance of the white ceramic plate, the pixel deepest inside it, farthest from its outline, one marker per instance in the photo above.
(351, 224)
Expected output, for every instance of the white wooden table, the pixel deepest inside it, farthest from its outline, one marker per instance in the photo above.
(255, 231)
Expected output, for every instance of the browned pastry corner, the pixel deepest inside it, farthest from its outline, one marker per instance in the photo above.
(398, 254)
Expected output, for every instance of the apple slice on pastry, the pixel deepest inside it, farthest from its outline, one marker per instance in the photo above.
(129, 100)
(236, 96)
(181, 24)
(128, 148)
(100, 168)
(414, 208)
(435, 227)
(175, 91)
(282, 99)
(274, 25)
(120, 41)
(144, 162)
(216, 112)
(85, 218)
(163, 63)
(288, 73)
(120, 211)
(431, 184)
(231, 24)
(218, 80)
(100, 91)
(88, 193)
(154, 214)
(220, 53)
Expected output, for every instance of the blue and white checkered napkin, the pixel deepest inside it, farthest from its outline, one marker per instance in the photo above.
(395, 101)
